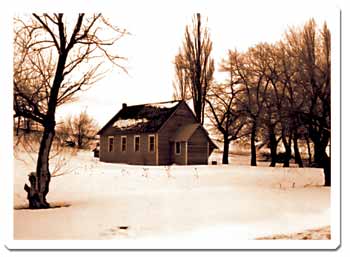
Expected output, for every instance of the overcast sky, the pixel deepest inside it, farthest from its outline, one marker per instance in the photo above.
(156, 33)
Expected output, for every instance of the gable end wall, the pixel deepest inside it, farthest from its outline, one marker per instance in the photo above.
(182, 116)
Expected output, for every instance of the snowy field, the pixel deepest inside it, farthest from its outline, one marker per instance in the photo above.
(118, 201)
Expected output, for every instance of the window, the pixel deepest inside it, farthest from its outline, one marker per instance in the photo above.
(177, 147)
(110, 144)
(151, 143)
(137, 143)
(123, 144)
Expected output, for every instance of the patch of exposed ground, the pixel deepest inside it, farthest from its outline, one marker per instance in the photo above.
(323, 233)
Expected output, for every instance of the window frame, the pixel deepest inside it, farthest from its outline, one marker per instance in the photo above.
(149, 143)
(121, 144)
(177, 143)
(110, 147)
(139, 144)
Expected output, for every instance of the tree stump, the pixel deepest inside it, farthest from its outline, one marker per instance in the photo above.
(33, 193)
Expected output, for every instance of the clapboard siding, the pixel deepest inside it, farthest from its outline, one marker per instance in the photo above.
(143, 157)
(180, 158)
(182, 116)
(197, 148)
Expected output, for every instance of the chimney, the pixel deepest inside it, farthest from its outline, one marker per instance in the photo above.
(124, 105)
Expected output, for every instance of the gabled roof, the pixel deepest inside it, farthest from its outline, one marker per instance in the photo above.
(183, 133)
(143, 118)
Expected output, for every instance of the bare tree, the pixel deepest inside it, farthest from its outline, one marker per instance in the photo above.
(53, 62)
(278, 100)
(287, 93)
(181, 85)
(225, 112)
(270, 125)
(311, 51)
(249, 68)
(291, 98)
(80, 129)
(194, 67)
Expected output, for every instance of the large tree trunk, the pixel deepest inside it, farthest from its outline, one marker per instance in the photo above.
(252, 145)
(319, 152)
(28, 125)
(197, 108)
(327, 170)
(39, 181)
(226, 150)
(288, 149)
(322, 160)
(273, 147)
(297, 155)
(18, 125)
(309, 151)
(80, 141)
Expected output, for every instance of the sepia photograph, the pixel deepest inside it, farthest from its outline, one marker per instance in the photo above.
(155, 125)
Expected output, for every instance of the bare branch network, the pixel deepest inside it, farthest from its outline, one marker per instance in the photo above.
(39, 41)
(55, 58)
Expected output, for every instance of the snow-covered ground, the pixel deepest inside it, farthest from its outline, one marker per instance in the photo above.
(117, 201)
